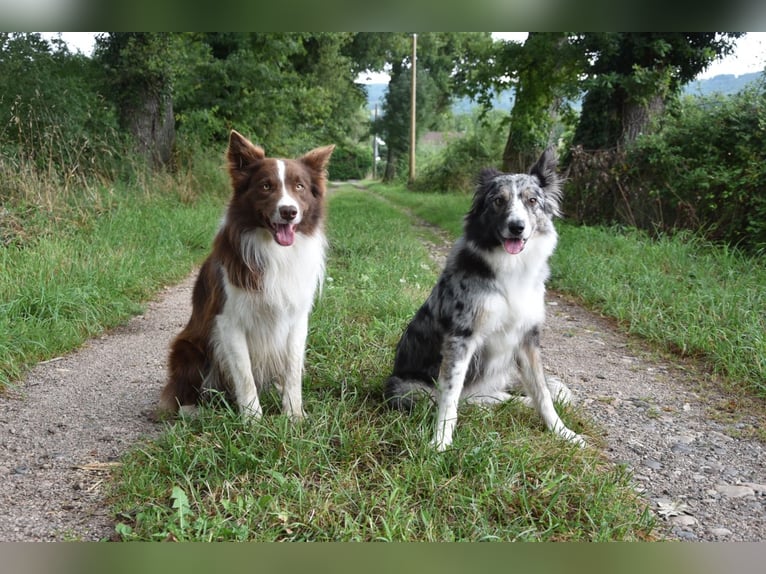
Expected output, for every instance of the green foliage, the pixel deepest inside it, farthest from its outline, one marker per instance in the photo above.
(706, 168)
(288, 92)
(702, 170)
(456, 166)
(438, 56)
(548, 72)
(54, 124)
(138, 62)
(632, 74)
(350, 162)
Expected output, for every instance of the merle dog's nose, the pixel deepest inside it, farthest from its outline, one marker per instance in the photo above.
(516, 227)
(288, 212)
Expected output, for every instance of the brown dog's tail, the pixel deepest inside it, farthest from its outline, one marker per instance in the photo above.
(187, 366)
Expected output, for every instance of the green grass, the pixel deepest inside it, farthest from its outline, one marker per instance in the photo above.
(445, 210)
(681, 294)
(354, 470)
(72, 275)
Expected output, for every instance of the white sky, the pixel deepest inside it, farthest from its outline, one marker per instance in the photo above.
(77, 41)
(749, 54)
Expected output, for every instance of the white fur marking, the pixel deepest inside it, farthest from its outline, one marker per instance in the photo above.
(285, 200)
(260, 337)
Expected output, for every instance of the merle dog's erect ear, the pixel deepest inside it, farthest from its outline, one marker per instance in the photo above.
(545, 168)
(486, 175)
(545, 171)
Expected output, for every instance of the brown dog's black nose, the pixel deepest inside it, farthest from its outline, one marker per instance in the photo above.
(288, 212)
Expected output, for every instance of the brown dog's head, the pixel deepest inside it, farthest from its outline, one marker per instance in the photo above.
(285, 196)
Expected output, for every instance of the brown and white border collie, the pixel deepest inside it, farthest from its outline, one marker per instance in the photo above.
(252, 298)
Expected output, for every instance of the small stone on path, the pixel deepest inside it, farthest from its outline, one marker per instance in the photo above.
(734, 490)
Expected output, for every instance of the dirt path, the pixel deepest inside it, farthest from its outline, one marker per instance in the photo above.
(74, 416)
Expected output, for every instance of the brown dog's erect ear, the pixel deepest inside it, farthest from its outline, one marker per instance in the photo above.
(316, 160)
(240, 154)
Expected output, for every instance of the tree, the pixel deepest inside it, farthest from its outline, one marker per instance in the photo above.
(440, 55)
(288, 91)
(633, 74)
(140, 68)
(547, 68)
(544, 74)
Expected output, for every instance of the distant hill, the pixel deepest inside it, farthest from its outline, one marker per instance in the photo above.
(724, 84)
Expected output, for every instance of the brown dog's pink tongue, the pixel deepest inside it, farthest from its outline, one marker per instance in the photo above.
(513, 246)
(285, 234)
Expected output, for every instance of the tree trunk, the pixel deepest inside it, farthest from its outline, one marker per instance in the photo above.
(390, 172)
(151, 123)
(514, 156)
(637, 118)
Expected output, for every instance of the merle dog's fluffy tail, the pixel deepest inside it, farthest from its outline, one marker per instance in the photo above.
(401, 394)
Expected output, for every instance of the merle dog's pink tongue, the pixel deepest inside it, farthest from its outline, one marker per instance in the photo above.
(285, 234)
(513, 246)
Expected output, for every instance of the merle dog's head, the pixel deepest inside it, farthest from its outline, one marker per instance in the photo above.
(509, 208)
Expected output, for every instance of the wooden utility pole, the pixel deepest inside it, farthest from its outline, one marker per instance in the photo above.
(412, 107)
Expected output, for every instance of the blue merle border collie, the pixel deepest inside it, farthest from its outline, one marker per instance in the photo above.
(477, 336)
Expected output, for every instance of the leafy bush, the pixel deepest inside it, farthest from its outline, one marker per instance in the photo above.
(704, 170)
(350, 162)
(52, 118)
(456, 167)
(707, 166)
